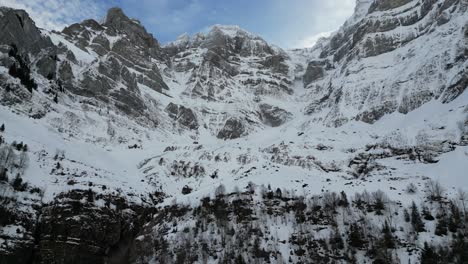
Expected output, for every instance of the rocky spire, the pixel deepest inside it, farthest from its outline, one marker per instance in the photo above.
(117, 21)
(116, 17)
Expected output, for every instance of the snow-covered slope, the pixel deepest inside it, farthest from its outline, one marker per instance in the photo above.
(126, 140)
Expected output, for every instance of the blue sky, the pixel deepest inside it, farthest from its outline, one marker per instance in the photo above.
(286, 23)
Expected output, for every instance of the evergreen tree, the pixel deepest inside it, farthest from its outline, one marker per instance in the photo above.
(278, 193)
(17, 183)
(240, 260)
(454, 219)
(19, 146)
(406, 216)
(3, 174)
(21, 70)
(2, 128)
(90, 195)
(388, 239)
(427, 214)
(379, 206)
(416, 220)
(336, 241)
(355, 238)
(429, 255)
(441, 227)
(343, 200)
(459, 248)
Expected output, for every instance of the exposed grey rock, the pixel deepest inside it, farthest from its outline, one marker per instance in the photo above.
(273, 115)
(276, 63)
(182, 115)
(136, 36)
(241, 43)
(99, 234)
(134, 47)
(347, 88)
(130, 103)
(225, 50)
(213, 59)
(233, 128)
(18, 29)
(46, 66)
(315, 71)
(93, 86)
(66, 73)
(127, 55)
(375, 113)
(382, 5)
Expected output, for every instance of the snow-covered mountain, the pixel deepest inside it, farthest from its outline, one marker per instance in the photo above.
(223, 148)
(390, 60)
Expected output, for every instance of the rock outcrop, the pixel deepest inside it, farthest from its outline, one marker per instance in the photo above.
(23, 48)
(233, 128)
(182, 115)
(126, 61)
(274, 116)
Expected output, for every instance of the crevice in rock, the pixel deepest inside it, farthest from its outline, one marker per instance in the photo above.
(20, 20)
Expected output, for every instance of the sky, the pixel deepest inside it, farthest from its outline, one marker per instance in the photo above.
(285, 23)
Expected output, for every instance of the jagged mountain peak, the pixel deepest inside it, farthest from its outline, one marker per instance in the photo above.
(217, 35)
(115, 13)
(232, 31)
(117, 18)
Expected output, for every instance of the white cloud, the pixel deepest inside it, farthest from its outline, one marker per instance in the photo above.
(303, 21)
(310, 41)
(56, 14)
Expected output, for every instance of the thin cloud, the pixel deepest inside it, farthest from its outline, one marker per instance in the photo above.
(56, 14)
(309, 42)
(288, 24)
(299, 21)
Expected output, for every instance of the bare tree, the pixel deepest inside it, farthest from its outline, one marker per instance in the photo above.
(411, 188)
(435, 189)
(7, 157)
(23, 162)
(463, 197)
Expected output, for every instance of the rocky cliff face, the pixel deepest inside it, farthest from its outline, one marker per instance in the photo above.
(125, 56)
(397, 46)
(25, 51)
(233, 69)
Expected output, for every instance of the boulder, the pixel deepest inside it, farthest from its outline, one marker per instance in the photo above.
(274, 116)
